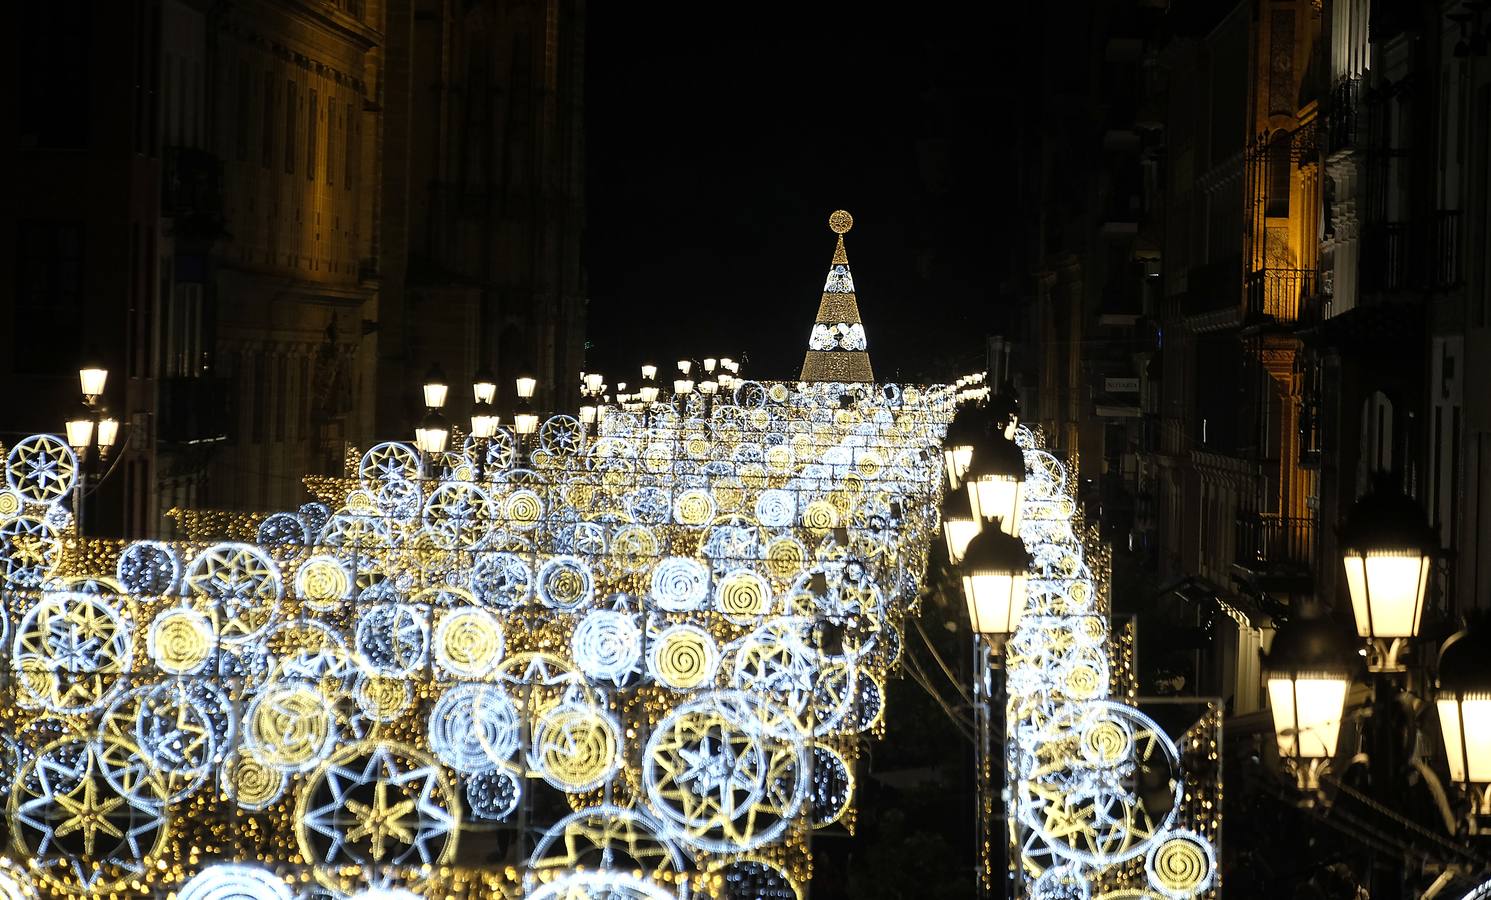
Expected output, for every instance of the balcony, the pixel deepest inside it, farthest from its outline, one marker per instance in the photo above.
(1345, 125)
(1422, 255)
(191, 192)
(1274, 553)
(1279, 294)
(194, 410)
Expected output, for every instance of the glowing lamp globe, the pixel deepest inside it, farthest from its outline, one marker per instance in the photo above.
(1464, 704)
(995, 572)
(435, 388)
(484, 386)
(483, 420)
(995, 481)
(1308, 672)
(526, 384)
(967, 428)
(958, 525)
(92, 376)
(108, 432)
(649, 372)
(80, 430)
(1387, 549)
(432, 433)
(525, 420)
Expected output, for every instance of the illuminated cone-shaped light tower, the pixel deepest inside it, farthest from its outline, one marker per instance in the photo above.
(1308, 673)
(836, 348)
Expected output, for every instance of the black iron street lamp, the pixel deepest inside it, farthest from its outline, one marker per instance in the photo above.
(1387, 549)
(1308, 672)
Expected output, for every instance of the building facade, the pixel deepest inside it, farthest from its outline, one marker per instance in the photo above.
(1308, 304)
(258, 218)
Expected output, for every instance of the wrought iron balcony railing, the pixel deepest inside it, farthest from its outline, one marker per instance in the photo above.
(1268, 542)
(1279, 294)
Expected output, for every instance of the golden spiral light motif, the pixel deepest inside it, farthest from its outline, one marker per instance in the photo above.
(290, 726)
(778, 393)
(1106, 743)
(321, 582)
(10, 503)
(696, 446)
(523, 509)
(251, 782)
(383, 697)
(180, 641)
(820, 516)
(1083, 682)
(779, 459)
(694, 508)
(839, 221)
(1181, 865)
(785, 558)
(468, 642)
(683, 657)
(741, 594)
(575, 748)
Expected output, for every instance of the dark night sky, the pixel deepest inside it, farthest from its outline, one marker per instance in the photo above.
(715, 157)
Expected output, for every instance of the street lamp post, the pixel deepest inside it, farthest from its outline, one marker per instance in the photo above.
(1463, 701)
(1387, 551)
(91, 432)
(1308, 673)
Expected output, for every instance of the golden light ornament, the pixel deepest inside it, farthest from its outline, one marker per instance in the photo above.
(1387, 550)
(995, 574)
(1463, 701)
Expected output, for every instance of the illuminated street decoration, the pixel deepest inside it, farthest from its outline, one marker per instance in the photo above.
(1098, 786)
(664, 632)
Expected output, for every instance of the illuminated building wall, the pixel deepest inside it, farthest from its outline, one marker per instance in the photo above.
(480, 235)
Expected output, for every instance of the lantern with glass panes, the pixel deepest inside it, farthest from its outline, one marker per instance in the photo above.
(1308, 672)
(1387, 550)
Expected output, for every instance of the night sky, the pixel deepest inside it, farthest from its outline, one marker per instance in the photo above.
(715, 158)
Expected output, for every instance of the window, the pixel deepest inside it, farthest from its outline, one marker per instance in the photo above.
(183, 338)
(52, 96)
(292, 110)
(245, 102)
(331, 141)
(49, 295)
(1280, 174)
(266, 136)
(261, 389)
(350, 139)
(312, 125)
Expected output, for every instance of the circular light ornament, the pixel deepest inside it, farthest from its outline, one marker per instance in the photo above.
(322, 582)
(565, 583)
(1181, 864)
(683, 657)
(181, 641)
(148, 568)
(607, 646)
(468, 642)
(680, 584)
(231, 881)
(42, 469)
(575, 747)
(742, 596)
